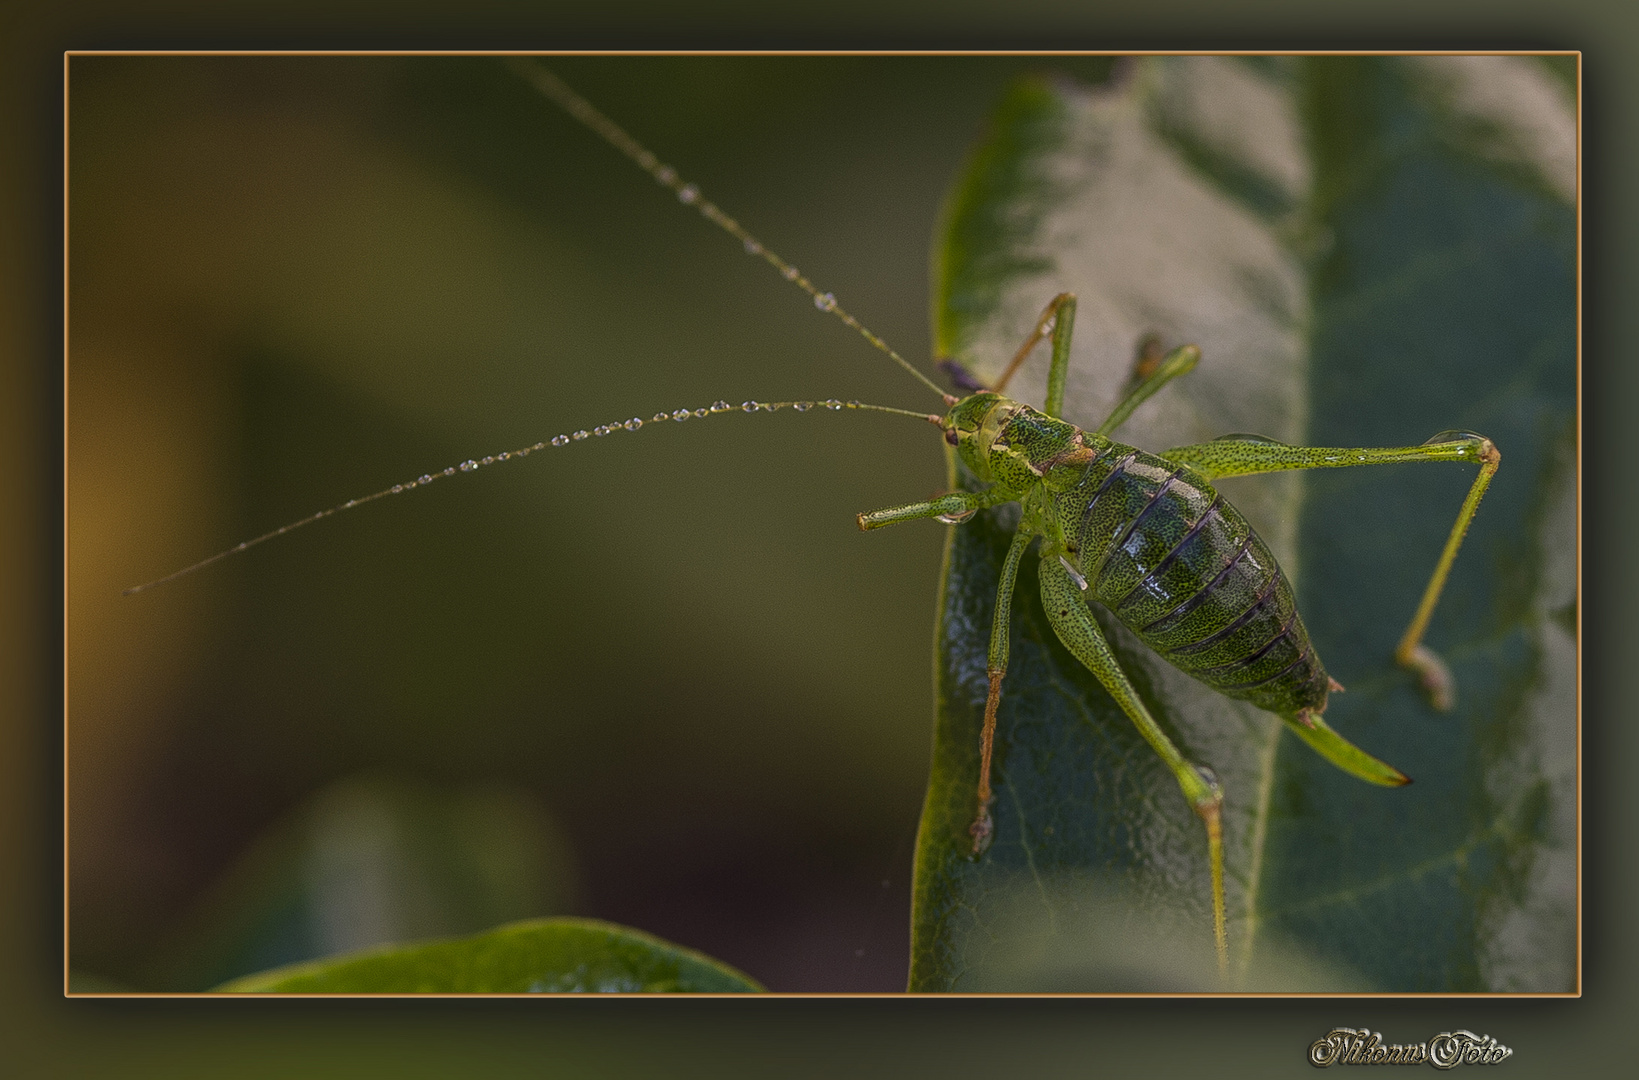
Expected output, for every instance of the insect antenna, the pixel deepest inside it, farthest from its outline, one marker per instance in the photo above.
(472, 464)
(689, 194)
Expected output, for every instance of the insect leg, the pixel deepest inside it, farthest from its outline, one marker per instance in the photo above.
(1059, 316)
(1243, 455)
(952, 509)
(1080, 632)
(1180, 361)
(1411, 652)
(995, 669)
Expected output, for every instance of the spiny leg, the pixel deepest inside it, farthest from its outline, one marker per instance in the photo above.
(995, 670)
(1180, 361)
(1244, 455)
(1079, 631)
(1059, 317)
(1411, 652)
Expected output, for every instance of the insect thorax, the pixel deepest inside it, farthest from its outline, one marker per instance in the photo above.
(1017, 448)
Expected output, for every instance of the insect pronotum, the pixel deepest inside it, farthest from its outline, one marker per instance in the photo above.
(1144, 534)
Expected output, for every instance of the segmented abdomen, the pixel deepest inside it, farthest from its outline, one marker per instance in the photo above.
(1182, 568)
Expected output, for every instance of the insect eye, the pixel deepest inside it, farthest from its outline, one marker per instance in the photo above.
(951, 436)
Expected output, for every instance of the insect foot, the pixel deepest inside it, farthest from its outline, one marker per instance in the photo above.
(1434, 676)
(983, 828)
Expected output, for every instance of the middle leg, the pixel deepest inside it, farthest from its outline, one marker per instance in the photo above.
(995, 670)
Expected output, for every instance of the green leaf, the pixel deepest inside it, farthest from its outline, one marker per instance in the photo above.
(541, 956)
(1367, 251)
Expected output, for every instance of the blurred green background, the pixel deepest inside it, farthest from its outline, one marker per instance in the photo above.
(661, 675)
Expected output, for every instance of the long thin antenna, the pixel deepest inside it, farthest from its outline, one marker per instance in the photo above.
(557, 440)
(689, 194)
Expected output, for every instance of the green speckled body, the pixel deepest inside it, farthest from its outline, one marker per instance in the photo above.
(1157, 546)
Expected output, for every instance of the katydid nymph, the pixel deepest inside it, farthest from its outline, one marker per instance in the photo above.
(1134, 529)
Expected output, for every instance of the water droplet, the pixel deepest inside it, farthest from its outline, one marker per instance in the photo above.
(688, 194)
(666, 175)
(681, 414)
(702, 412)
(448, 472)
(659, 416)
(397, 488)
(560, 440)
(833, 404)
(720, 406)
(753, 248)
(750, 406)
(633, 424)
(601, 430)
(507, 456)
(1452, 436)
(488, 460)
(802, 406)
(579, 435)
(825, 302)
(350, 503)
(425, 479)
(791, 273)
(467, 466)
(956, 518)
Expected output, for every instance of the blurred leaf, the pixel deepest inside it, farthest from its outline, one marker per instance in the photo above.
(373, 859)
(543, 956)
(1368, 251)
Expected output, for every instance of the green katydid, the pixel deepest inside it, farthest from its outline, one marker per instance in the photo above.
(983, 426)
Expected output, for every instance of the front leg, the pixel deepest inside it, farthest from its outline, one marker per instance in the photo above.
(952, 509)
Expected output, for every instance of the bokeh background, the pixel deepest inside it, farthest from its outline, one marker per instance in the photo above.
(658, 678)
